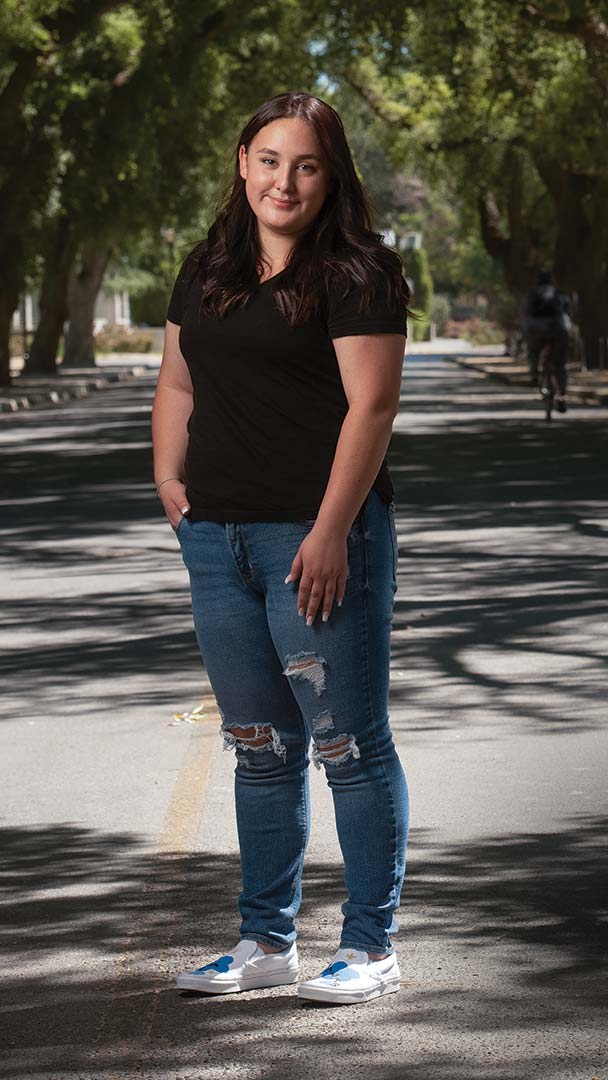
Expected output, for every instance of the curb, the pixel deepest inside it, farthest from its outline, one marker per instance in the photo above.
(575, 393)
(39, 392)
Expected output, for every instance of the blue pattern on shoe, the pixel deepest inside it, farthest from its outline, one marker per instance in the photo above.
(340, 965)
(222, 965)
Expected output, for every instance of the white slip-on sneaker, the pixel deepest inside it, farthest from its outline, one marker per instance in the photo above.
(246, 967)
(352, 977)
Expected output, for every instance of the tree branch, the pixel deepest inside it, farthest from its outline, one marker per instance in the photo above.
(63, 27)
(392, 113)
(496, 242)
(389, 112)
(590, 28)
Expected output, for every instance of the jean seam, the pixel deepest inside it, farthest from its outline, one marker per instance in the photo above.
(370, 706)
(245, 584)
(380, 756)
(394, 546)
(297, 881)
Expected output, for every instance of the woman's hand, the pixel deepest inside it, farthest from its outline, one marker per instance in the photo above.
(321, 564)
(175, 504)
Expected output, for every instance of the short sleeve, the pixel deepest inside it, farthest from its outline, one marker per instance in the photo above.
(377, 317)
(183, 281)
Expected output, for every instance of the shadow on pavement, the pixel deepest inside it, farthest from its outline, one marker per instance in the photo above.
(503, 546)
(501, 591)
(95, 929)
(500, 549)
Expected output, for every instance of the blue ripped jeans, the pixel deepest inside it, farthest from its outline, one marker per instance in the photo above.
(278, 684)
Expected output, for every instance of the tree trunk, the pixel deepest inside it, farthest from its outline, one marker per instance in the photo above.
(53, 300)
(21, 195)
(593, 328)
(28, 155)
(84, 285)
(519, 250)
(9, 298)
(581, 203)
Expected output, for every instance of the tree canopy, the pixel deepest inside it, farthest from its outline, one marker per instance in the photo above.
(506, 104)
(116, 119)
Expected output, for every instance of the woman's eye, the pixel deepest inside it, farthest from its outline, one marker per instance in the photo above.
(272, 161)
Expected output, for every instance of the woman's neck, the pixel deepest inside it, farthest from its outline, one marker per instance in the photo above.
(274, 257)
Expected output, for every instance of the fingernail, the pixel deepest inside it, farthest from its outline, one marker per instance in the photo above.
(300, 611)
(325, 616)
(339, 603)
(309, 620)
(185, 509)
(288, 579)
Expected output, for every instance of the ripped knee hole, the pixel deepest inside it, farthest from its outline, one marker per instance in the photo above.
(253, 737)
(335, 751)
(309, 667)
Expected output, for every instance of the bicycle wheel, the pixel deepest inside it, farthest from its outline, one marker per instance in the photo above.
(545, 381)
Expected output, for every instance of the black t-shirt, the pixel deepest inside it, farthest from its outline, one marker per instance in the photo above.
(268, 401)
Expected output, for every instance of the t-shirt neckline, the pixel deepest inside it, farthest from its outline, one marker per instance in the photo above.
(267, 280)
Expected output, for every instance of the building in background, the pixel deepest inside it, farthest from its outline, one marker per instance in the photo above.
(111, 309)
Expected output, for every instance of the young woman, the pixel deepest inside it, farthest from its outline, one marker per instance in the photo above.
(276, 397)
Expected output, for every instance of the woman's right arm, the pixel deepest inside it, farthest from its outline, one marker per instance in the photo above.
(170, 414)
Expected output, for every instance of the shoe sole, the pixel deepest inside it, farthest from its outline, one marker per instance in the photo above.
(194, 982)
(337, 997)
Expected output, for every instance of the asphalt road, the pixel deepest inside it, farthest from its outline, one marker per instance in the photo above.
(118, 840)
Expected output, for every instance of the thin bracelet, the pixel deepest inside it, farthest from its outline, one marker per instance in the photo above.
(167, 481)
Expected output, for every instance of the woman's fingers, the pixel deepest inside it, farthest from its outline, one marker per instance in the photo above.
(319, 596)
(340, 588)
(314, 600)
(181, 508)
(319, 587)
(328, 599)
(304, 592)
(175, 503)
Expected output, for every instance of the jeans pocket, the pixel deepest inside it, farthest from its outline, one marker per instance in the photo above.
(180, 523)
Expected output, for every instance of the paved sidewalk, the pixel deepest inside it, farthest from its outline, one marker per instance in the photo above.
(39, 391)
(29, 391)
(587, 387)
(119, 843)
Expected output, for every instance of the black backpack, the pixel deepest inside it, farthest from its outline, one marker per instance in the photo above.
(545, 302)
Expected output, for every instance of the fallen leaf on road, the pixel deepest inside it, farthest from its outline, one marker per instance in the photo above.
(198, 713)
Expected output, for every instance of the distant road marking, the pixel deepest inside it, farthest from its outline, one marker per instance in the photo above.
(183, 815)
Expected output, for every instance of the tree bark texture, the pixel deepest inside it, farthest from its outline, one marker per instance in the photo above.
(8, 302)
(42, 359)
(84, 285)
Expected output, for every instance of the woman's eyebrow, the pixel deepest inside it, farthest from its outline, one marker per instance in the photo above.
(267, 150)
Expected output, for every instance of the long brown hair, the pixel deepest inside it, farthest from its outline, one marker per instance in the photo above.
(340, 247)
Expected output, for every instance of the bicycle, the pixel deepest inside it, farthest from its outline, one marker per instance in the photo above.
(548, 383)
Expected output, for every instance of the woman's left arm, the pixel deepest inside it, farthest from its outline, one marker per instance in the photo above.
(371, 368)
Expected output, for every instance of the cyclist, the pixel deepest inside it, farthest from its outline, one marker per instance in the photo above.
(548, 317)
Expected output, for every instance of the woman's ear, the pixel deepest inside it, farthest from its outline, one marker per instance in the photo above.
(243, 161)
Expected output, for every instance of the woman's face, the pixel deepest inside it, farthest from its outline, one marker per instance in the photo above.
(285, 179)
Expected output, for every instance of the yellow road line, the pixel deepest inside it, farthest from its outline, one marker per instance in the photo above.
(183, 815)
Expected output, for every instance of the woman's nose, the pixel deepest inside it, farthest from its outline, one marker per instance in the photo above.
(284, 181)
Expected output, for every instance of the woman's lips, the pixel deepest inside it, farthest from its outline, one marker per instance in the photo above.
(282, 204)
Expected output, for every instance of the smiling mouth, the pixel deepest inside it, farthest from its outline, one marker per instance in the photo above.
(282, 203)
